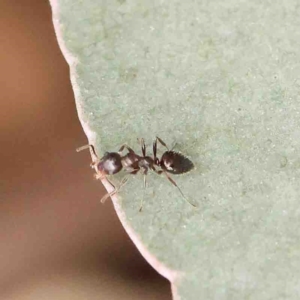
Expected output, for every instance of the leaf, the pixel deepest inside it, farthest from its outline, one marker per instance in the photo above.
(221, 80)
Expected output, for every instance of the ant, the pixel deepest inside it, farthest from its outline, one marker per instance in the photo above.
(113, 162)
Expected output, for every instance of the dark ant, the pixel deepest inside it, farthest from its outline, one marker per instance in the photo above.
(113, 162)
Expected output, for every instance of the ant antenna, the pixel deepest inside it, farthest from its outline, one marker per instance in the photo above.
(162, 142)
(175, 184)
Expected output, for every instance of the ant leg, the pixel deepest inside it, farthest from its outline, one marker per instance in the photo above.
(162, 142)
(175, 184)
(107, 195)
(143, 148)
(99, 176)
(154, 169)
(122, 183)
(123, 147)
(142, 201)
(95, 158)
(142, 142)
(156, 160)
(145, 183)
(132, 171)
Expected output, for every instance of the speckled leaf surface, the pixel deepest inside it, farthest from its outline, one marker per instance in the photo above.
(221, 80)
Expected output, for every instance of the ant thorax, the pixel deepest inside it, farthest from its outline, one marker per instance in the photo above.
(130, 161)
(146, 163)
(110, 163)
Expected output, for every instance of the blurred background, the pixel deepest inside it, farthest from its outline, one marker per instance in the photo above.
(56, 240)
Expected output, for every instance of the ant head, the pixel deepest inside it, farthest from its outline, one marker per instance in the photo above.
(175, 163)
(110, 163)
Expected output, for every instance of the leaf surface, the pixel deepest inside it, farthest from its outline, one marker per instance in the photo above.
(220, 79)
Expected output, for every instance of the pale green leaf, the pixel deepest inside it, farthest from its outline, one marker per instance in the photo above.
(221, 80)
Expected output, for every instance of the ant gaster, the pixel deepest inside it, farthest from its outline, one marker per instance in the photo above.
(113, 162)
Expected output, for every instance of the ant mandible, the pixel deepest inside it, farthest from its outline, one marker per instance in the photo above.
(113, 162)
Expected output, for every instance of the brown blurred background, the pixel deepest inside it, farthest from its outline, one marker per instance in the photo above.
(56, 240)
